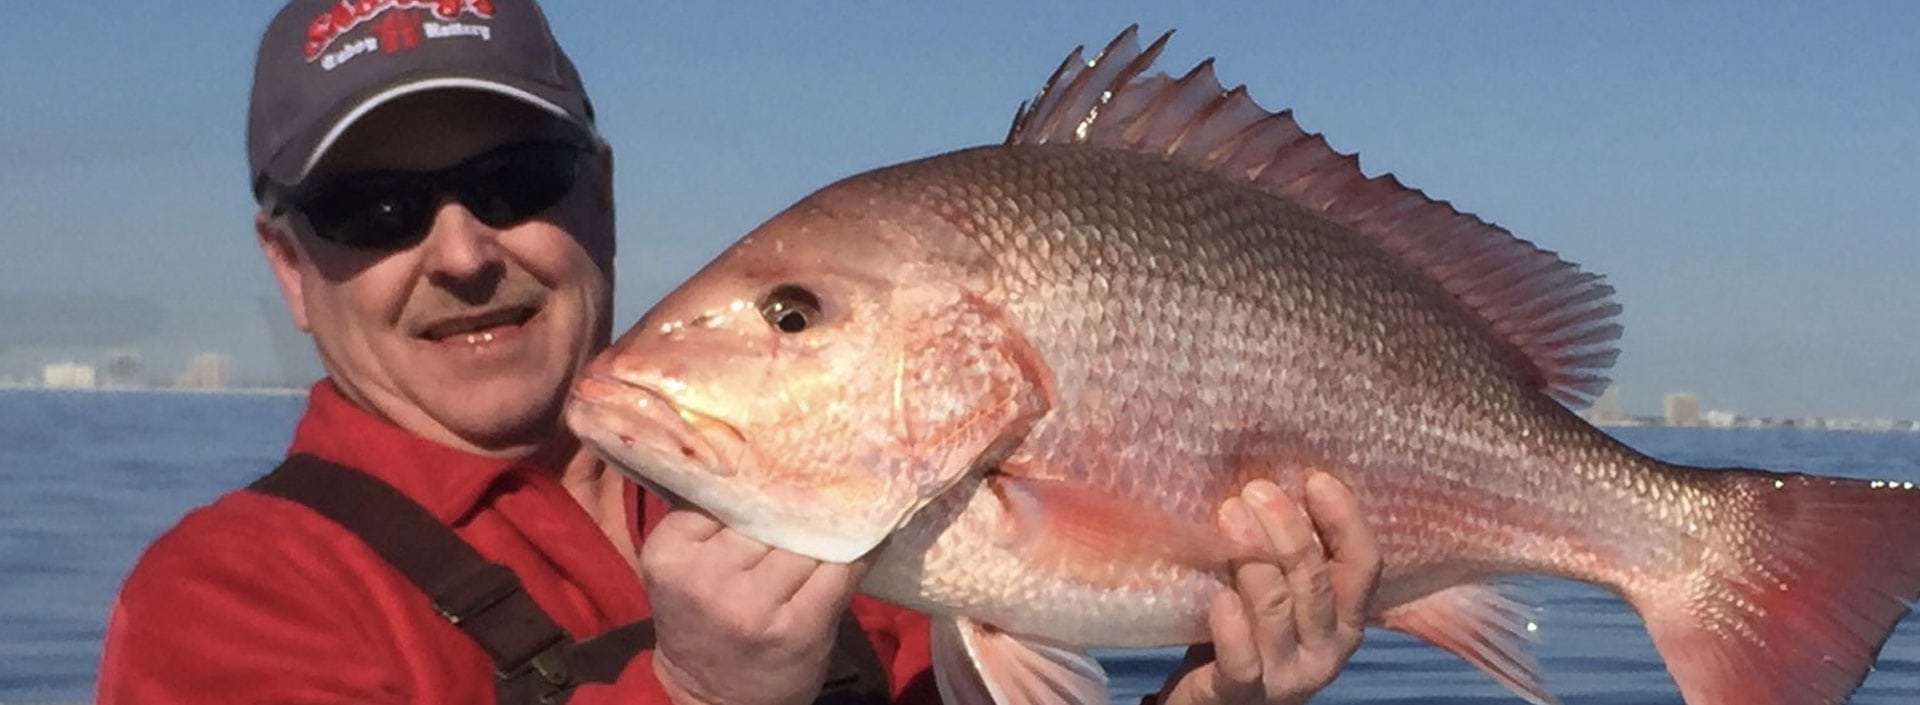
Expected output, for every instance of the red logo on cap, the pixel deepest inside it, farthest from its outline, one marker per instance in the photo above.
(348, 14)
(398, 30)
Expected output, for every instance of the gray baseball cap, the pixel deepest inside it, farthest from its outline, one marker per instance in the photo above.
(324, 64)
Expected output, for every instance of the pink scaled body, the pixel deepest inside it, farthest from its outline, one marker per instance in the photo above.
(1028, 375)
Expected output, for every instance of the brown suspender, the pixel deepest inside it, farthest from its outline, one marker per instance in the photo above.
(535, 660)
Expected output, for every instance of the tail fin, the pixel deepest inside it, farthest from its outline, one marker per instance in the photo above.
(1796, 592)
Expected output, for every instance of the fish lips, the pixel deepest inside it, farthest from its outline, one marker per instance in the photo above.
(634, 422)
(695, 458)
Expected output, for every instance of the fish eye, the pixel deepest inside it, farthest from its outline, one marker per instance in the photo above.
(790, 308)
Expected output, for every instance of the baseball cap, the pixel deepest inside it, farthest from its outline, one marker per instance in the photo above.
(324, 64)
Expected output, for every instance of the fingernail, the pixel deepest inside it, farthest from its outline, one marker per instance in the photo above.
(1325, 486)
(1238, 522)
(1263, 491)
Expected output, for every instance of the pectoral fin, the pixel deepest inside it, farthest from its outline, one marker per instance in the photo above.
(1080, 527)
(976, 664)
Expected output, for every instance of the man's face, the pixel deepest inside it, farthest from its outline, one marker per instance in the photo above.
(470, 335)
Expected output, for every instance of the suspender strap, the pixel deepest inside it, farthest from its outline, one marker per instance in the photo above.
(854, 673)
(550, 677)
(481, 597)
(535, 660)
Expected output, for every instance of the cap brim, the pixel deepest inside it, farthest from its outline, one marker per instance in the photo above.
(382, 97)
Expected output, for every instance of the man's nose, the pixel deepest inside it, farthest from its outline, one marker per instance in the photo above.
(460, 248)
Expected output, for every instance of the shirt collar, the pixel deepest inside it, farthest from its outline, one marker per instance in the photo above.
(448, 482)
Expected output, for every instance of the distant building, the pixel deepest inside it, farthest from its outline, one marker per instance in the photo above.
(205, 371)
(1682, 409)
(67, 375)
(1606, 408)
(125, 370)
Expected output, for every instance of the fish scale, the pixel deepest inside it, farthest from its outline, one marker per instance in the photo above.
(1183, 237)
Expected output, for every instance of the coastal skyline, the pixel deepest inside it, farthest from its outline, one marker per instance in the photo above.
(1740, 174)
(124, 369)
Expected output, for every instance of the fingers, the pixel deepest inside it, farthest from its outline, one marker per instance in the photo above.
(790, 577)
(1236, 676)
(1294, 614)
(690, 524)
(831, 585)
(1262, 588)
(727, 565)
(690, 540)
(1302, 560)
(739, 620)
(1353, 563)
(804, 595)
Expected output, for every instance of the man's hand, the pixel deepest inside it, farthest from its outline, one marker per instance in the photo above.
(739, 622)
(1287, 627)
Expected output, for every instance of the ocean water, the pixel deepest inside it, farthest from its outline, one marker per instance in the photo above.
(91, 477)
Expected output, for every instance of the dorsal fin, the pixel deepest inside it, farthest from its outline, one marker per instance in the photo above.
(1559, 317)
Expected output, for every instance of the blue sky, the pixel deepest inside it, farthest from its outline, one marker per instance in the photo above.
(1744, 175)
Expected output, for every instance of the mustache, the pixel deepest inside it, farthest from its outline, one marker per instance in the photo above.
(436, 302)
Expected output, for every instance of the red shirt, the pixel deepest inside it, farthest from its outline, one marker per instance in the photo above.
(255, 599)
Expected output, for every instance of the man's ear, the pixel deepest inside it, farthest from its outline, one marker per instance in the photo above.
(283, 257)
(603, 181)
(603, 199)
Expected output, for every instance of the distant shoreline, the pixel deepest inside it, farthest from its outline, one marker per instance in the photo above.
(1610, 425)
(1807, 423)
(241, 391)
(1801, 424)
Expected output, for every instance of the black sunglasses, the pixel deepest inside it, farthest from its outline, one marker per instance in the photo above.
(391, 208)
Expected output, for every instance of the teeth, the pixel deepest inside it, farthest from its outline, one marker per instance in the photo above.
(478, 338)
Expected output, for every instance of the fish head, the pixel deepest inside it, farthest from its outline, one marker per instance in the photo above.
(818, 382)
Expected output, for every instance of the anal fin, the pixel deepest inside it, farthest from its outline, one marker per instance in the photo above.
(1479, 623)
(975, 664)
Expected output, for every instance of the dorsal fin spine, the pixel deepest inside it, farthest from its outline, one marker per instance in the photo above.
(1554, 315)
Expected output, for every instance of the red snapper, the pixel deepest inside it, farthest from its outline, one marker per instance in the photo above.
(1028, 374)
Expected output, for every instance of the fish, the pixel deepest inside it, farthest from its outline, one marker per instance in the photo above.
(1021, 378)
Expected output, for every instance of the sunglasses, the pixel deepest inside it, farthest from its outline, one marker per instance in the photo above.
(391, 208)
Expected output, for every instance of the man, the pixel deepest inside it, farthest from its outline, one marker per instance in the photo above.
(436, 207)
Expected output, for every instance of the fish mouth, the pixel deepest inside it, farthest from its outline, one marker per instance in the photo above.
(650, 435)
(696, 459)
